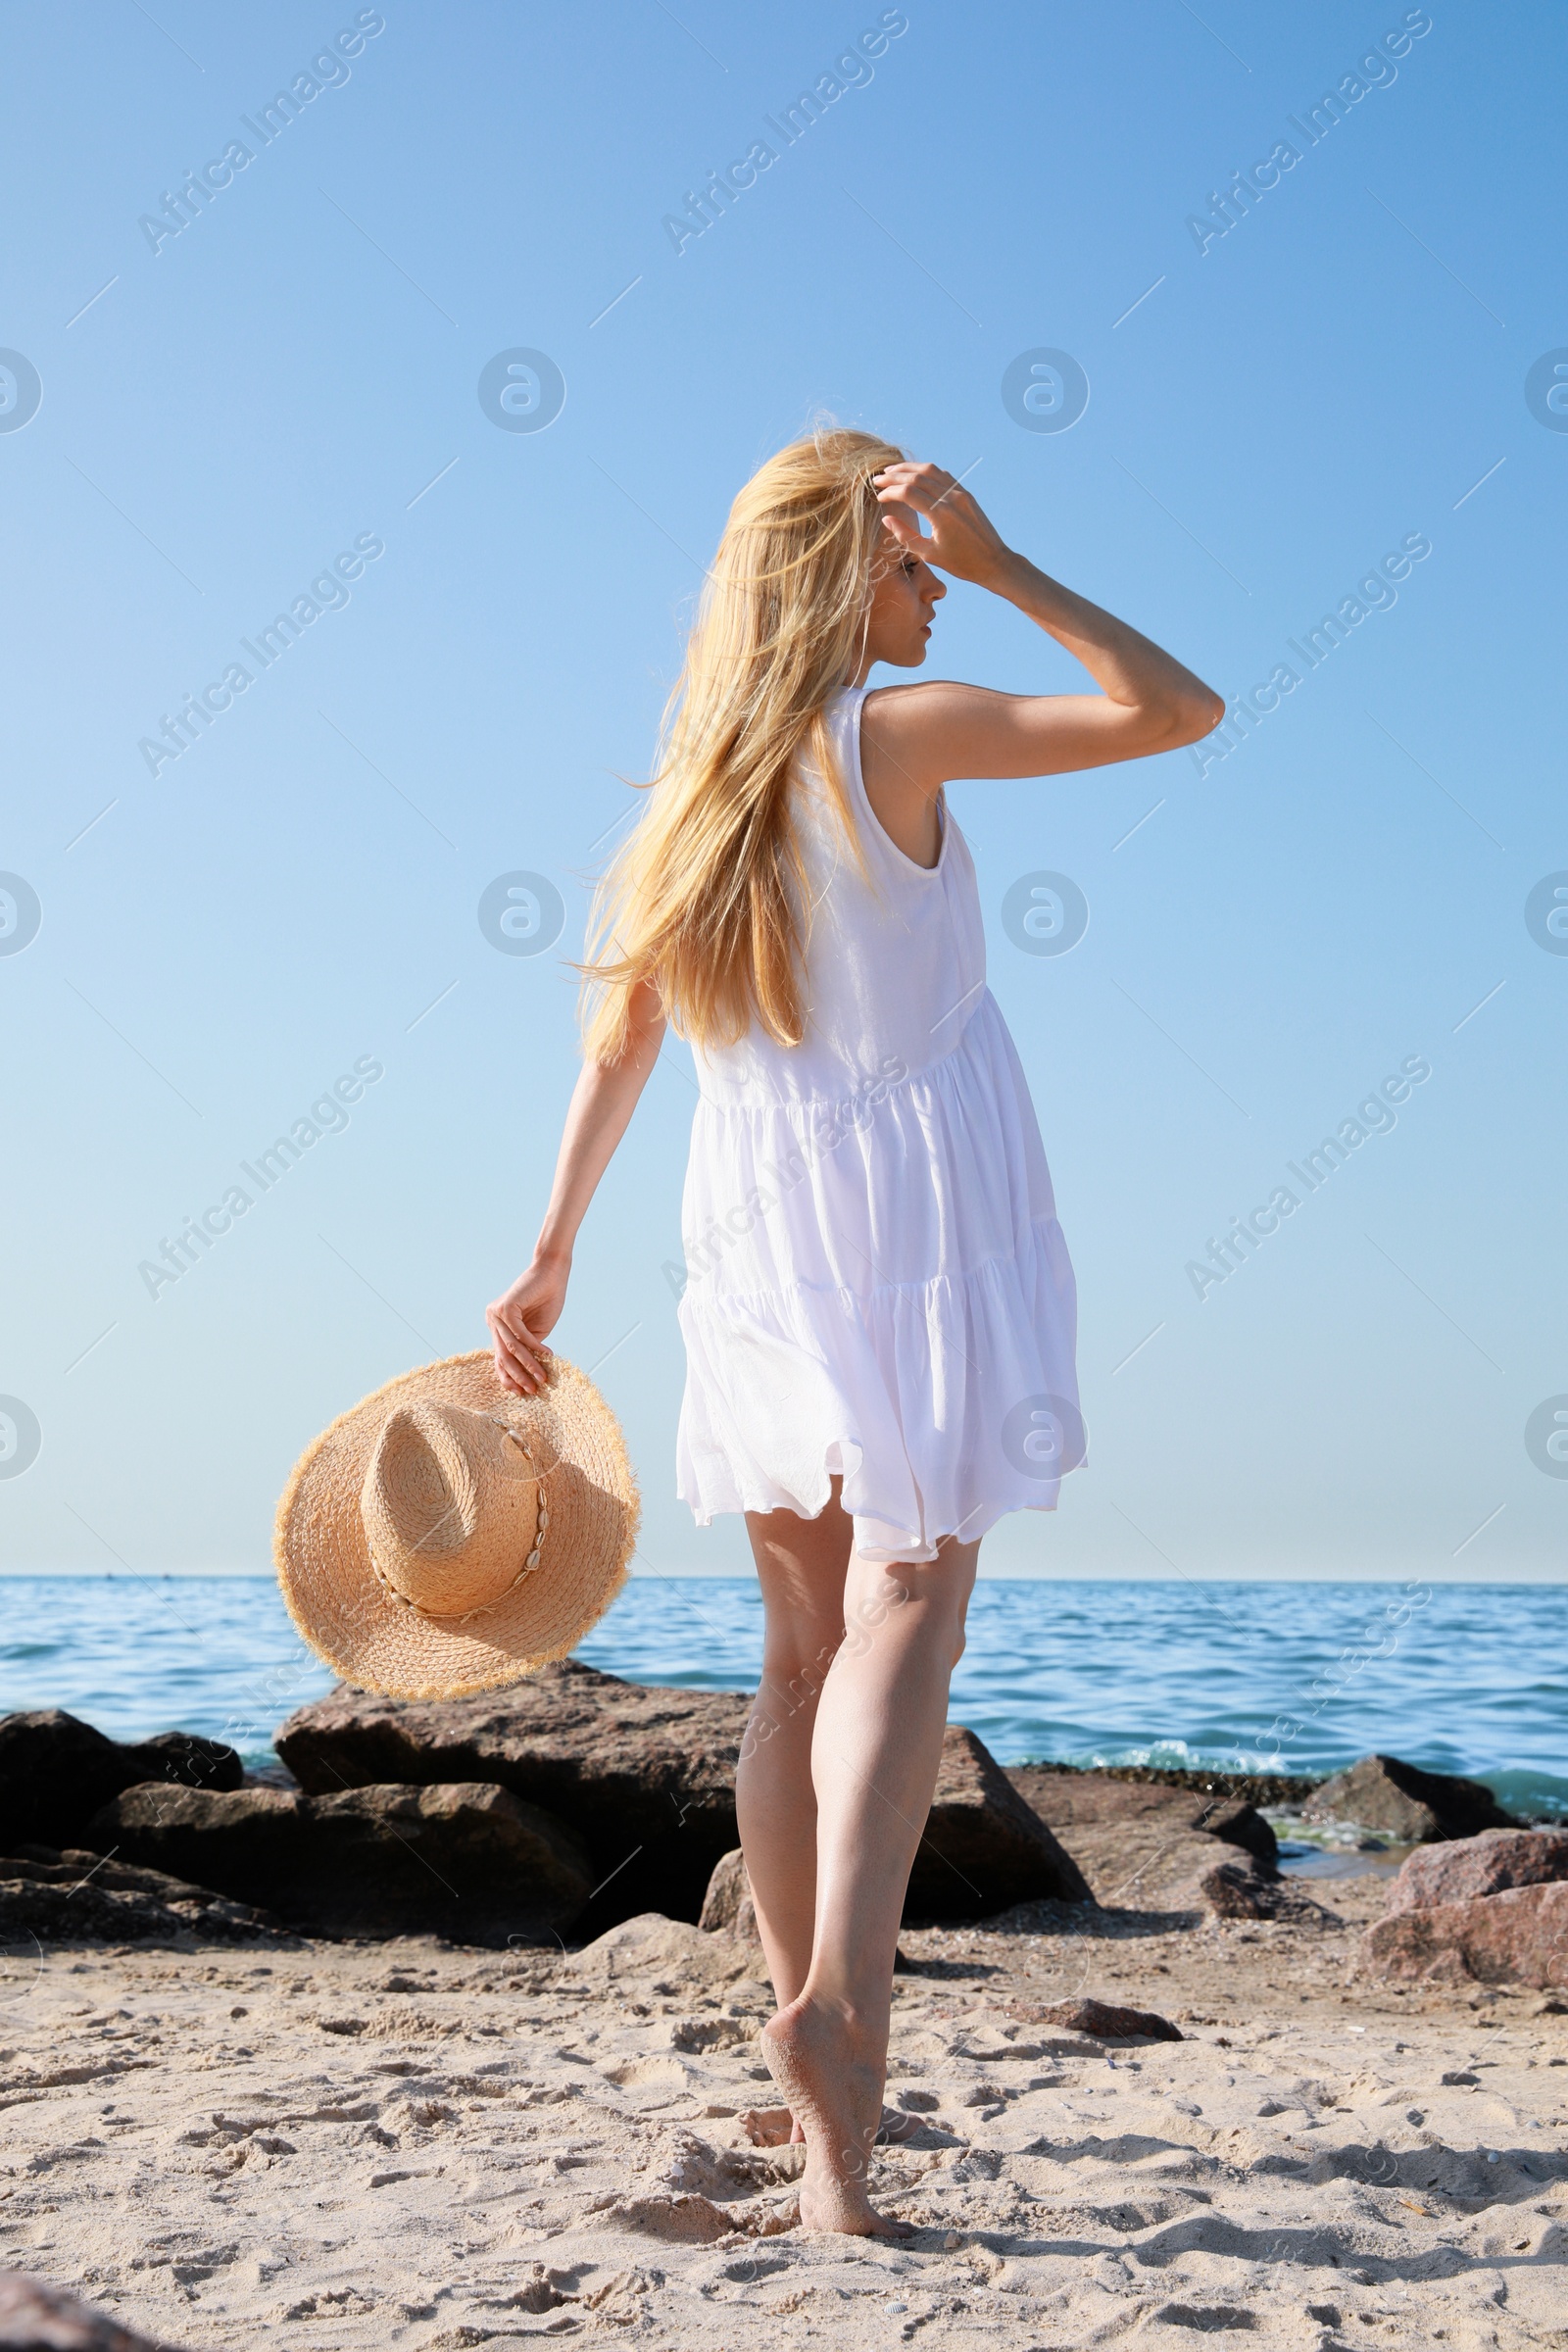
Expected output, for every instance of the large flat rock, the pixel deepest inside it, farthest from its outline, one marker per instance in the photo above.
(643, 1777)
(1406, 1804)
(471, 1862)
(1072, 1801)
(1156, 1847)
(646, 1778)
(56, 1772)
(1516, 1936)
(1465, 1867)
(1150, 1865)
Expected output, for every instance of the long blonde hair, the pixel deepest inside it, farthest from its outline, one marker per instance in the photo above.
(701, 900)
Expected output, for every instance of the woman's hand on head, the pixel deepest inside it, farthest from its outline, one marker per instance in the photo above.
(518, 1321)
(963, 540)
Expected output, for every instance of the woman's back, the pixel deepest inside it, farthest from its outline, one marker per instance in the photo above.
(894, 956)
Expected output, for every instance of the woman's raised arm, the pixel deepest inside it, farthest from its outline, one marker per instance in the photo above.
(922, 736)
(601, 1103)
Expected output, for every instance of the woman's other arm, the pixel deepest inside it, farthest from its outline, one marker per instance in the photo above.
(601, 1103)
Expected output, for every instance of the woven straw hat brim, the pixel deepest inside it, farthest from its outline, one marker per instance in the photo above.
(340, 1604)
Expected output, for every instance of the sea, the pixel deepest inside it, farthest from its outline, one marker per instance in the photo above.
(1243, 1676)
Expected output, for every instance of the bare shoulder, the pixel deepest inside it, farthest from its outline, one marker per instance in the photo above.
(911, 732)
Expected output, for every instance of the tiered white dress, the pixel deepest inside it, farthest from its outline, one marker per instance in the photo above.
(877, 1286)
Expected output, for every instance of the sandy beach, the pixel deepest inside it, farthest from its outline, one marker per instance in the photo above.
(412, 2144)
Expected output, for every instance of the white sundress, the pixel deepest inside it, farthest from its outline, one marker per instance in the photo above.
(877, 1286)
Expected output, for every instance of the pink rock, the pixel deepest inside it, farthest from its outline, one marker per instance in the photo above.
(1470, 1867)
(1519, 1937)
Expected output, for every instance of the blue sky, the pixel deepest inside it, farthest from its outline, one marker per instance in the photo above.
(1273, 411)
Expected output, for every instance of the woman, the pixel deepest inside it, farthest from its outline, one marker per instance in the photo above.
(879, 1316)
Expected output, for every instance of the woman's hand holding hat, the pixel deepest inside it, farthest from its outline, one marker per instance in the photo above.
(518, 1320)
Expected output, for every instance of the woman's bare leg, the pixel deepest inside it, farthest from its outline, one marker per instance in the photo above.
(800, 1566)
(874, 1751)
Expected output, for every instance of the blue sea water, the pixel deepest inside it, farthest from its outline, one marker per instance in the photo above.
(1254, 1677)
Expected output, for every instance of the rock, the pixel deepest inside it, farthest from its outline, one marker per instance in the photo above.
(1148, 1846)
(188, 1759)
(1136, 1847)
(1465, 1867)
(34, 2318)
(75, 1897)
(1518, 1935)
(1095, 1800)
(644, 1777)
(1240, 1890)
(56, 1772)
(1106, 2021)
(727, 1906)
(1410, 1806)
(668, 1950)
(984, 1848)
(472, 1863)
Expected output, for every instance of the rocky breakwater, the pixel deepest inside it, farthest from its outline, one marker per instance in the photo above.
(644, 1778)
(167, 1841)
(554, 1809)
(57, 1885)
(56, 1772)
(1491, 1909)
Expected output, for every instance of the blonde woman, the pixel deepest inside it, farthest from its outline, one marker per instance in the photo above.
(879, 1315)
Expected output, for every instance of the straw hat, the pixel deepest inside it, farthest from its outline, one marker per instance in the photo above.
(447, 1535)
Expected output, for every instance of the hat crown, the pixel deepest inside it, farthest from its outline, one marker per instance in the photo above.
(450, 1506)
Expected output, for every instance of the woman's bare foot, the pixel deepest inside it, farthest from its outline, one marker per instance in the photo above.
(831, 2076)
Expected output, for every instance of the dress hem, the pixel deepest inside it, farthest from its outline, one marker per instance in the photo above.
(905, 1547)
